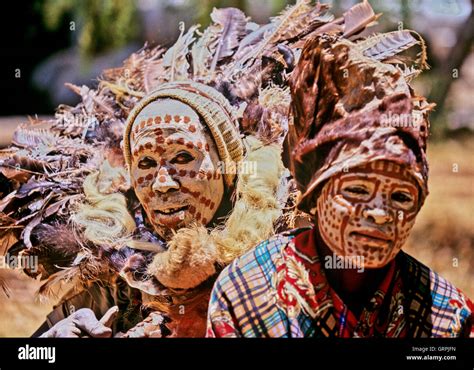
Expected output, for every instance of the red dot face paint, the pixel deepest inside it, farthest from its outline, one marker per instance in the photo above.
(175, 166)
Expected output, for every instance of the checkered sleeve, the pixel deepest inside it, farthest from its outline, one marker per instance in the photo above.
(469, 327)
(221, 319)
(451, 310)
(242, 301)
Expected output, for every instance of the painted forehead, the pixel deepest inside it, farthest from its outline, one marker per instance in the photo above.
(391, 171)
(165, 117)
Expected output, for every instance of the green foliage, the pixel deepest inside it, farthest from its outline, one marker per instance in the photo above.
(102, 25)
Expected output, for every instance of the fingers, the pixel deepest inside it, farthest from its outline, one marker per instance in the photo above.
(68, 330)
(63, 329)
(85, 320)
(109, 317)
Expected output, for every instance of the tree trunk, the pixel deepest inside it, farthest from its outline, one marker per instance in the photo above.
(455, 59)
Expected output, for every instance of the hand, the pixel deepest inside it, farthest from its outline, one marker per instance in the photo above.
(152, 327)
(83, 323)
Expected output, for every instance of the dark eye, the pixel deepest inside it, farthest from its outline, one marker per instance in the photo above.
(182, 158)
(359, 190)
(398, 196)
(146, 163)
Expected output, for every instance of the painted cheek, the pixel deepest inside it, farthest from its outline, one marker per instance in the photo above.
(331, 216)
(343, 215)
(142, 195)
(399, 231)
(402, 229)
(211, 191)
(142, 181)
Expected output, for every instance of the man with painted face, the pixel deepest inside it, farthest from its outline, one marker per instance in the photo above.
(174, 167)
(362, 173)
(192, 206)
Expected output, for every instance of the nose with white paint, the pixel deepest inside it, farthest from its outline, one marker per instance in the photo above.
(164, 182)
(377, 215)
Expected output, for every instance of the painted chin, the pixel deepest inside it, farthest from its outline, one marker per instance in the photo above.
(373, 245)
(172, 218)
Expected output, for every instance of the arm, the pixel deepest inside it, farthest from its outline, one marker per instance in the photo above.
(221, 322)
(96, 299)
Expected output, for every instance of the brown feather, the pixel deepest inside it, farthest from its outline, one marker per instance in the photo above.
(357, 18)
(232, 21)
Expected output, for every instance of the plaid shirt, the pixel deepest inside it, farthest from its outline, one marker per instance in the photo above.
(279, 289)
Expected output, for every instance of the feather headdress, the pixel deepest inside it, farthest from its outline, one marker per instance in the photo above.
(352, 104)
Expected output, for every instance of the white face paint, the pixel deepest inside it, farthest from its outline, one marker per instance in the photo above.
(368, 212)
(174, 166)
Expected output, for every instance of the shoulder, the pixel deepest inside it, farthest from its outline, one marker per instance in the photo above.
(451, 310)
(244, 292)
(258, 263)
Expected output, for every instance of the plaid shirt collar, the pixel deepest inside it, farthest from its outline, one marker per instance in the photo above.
(302, 287)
